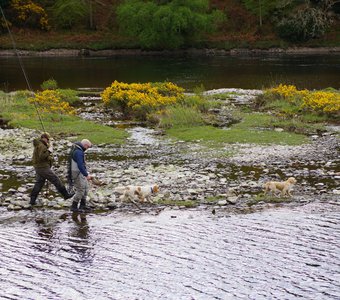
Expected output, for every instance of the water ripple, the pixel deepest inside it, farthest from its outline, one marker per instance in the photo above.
(278, 254)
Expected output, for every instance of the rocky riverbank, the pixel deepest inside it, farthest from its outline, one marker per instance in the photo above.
(229, 178)
(193, 51)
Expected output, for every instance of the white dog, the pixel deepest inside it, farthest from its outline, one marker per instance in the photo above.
(137, 192)
(280, 186)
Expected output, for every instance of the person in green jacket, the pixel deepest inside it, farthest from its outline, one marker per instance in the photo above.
(42, 162)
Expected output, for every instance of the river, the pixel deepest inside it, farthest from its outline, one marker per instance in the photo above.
(248, 72)
(191, 254)
(289, 252)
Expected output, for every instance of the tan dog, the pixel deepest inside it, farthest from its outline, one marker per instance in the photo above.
(136, 192)
(280, 186)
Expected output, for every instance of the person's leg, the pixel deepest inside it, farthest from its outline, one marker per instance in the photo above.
(80, 185)
(39, 183)
(82, 205)
(54, 179)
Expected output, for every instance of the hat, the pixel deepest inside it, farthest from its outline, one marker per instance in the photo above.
(86, 142)
(45, 135)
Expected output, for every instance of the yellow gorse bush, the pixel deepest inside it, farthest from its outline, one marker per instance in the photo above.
(320, 101)
(328, 102)
(285, 91)
(50, 101)
(27, 9)
(141, 98)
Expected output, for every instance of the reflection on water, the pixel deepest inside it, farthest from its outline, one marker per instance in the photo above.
(250, 72)
(275, 254)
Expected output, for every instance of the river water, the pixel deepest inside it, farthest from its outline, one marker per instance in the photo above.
(248, 72)
(192, 254)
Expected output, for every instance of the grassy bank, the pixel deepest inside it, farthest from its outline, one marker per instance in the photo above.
(270, 119)
(244, 132)
(20, 113)
(35, 40)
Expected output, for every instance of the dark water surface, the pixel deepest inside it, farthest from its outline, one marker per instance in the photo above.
(275, 254)
(250, 72)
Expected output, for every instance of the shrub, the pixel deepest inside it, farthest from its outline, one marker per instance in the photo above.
(166, 24)
(322, 101)
(68, 95)
(304, 25)
(49, 84)
(139, 99)
(30, 14)
(68, 13)
(313, 101)
(179, 116)
(197, 102)
(51, 101)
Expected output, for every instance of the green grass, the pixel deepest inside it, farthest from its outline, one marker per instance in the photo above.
(180, 116)
(20, 113)
(186, 203)
(247, 131)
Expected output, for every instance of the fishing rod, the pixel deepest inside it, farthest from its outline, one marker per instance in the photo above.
(22, 68)
(25, 75)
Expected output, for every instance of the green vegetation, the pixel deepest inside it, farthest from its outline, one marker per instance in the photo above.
(282, 115)
(236, 135)
(267, 199)
(179, 116)
(20, 113)
(169, 24)
(186, 203)
(166, 24)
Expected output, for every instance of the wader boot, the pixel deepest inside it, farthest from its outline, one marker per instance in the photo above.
(74, 206)
(33, 200)
(83, 207)
(65, 193)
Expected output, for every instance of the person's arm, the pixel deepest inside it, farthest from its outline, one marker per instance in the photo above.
(44, 154)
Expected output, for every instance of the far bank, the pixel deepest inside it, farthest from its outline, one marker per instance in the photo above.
(84, 52)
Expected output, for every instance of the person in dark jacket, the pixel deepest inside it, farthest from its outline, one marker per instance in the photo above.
(79, 175)
(42, 162)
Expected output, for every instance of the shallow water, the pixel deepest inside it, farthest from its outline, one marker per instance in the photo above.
(275, 254)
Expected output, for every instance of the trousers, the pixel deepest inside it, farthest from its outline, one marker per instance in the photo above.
(43, 174)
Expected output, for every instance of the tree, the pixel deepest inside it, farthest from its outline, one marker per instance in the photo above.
(166, 24)
(67, 13)
(263, 8)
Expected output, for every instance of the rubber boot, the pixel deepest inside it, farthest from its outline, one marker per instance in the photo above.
(33, 201)
(65, 193)
(83, 207)
(74, 206)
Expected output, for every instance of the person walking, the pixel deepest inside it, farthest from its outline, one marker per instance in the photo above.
(79, 176)
(42, 162)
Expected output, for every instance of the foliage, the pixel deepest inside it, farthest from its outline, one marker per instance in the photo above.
(322, 101)
(196, 101)
(262, 8)
(51, 101)
(22, 113)
(68, 95)
(166, 24)
(180, 116)
(239, 133)
(29, 14)
(139, 99)
(305, 24)
(4, 3)
(49, 84)
(315, 101)
(68, 13)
